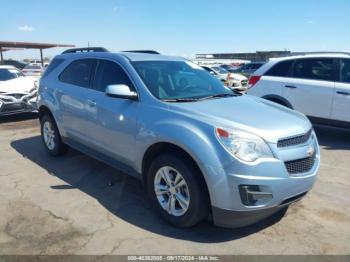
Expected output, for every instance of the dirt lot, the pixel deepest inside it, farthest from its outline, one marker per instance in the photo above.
(77, 205)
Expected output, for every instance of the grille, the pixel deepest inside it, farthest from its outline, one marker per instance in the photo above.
(244, 82)
(11, 107)
(300, 165)
(296, 140)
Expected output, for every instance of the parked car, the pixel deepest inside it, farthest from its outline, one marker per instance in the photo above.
(233, 81)
(248, 69)
(317, 85)
(230, 68)
(17, 92)
(15, 63)
(199, 148)
(33, 70)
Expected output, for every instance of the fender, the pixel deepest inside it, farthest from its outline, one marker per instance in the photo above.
(196, 142)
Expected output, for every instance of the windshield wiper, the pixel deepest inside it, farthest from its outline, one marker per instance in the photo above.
(219, 95)
(180, 99)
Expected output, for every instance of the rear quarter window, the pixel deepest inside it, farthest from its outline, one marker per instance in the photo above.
(281, 69)
(78, 72)
(52, 66)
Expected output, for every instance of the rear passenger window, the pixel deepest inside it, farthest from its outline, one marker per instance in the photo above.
(110, 73)
(280, 69)
(314, 68)
(345, 70)
(78, 72)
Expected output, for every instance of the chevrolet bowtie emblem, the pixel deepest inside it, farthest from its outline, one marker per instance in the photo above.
(310, 151)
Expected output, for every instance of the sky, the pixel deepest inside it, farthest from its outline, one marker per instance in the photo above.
(181, 27)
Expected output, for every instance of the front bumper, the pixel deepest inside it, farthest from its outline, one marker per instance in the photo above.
(240, 85)
(278, 187)
(16, 103)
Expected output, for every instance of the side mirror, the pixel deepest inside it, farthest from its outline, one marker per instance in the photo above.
(120, 91)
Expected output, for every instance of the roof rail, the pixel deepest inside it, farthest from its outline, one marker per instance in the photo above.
(143, 51)
(318, 53)
(85, 49)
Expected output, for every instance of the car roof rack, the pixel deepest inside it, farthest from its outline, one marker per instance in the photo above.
(85, 50)
(318, 53)
(143, 51)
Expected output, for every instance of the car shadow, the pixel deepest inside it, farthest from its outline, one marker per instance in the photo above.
(123, 195)
(332, 138)
(18, 117)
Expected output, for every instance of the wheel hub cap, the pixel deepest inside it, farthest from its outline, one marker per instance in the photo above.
(172, 191)
(49, 135)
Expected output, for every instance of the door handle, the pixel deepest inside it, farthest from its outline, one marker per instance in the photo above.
(343, 93)
(91, 103)
(289, 86)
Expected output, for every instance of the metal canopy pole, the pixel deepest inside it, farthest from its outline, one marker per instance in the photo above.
(1, 55)
(41, 57)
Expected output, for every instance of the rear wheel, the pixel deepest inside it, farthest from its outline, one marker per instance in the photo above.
(51, 136)
(177, 191)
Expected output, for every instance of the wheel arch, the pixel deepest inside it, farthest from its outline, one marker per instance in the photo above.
(43, 110)
(279, 100)
(160, 148)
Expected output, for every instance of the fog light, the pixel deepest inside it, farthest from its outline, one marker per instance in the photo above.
(251, 194)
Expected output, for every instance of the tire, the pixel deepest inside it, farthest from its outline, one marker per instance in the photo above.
(51, 137)
(193, 190)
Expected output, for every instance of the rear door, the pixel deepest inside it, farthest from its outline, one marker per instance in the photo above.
(271, 85)
(310, 89)
(75, 99)
(341, 104)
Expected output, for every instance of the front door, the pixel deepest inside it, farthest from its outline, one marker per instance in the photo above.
(113, 123)
(341, 104)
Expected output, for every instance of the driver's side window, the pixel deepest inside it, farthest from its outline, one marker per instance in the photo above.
(110, 73)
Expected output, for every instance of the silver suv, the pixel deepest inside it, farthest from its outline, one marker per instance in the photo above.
(200, 148)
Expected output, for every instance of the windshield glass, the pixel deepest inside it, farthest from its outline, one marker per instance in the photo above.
(8, 74)
(220, 70)
(178, 80)
(33, 67)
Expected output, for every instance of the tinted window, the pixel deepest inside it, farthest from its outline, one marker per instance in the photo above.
(8, 74)
(314, 68)
(256, 66)
(280, 69)
(345, 70)
(78, 72)
(110, 73)
(53, 65)
(178, 80)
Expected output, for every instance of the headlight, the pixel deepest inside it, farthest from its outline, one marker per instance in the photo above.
(243, 145)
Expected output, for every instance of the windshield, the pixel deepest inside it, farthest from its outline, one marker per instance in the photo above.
(33, 67)
(8, 74)
(168, 80)
(221, 70)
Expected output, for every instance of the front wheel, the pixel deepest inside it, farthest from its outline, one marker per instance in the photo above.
(177, 190)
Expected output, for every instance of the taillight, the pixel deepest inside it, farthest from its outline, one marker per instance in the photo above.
(253, 80)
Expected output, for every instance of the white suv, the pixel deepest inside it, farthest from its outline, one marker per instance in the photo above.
(317, 85)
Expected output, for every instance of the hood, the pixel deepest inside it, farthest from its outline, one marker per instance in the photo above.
(238, 76)
(20, 84)
(255, 115)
